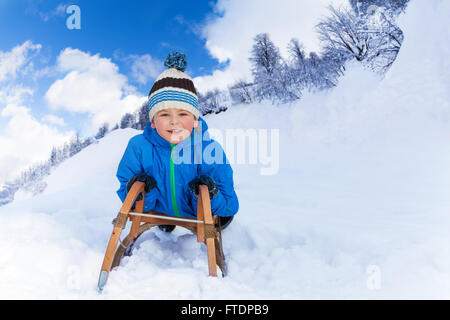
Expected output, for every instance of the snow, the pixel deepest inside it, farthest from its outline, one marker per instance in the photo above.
(358, 208)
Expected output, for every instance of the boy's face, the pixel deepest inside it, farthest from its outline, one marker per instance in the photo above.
(174, 125)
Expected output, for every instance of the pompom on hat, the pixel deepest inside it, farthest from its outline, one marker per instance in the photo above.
(173, 88)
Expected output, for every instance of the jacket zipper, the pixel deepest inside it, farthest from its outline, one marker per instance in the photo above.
(172, 182)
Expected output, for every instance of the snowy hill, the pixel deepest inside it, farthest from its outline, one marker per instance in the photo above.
(358, 207)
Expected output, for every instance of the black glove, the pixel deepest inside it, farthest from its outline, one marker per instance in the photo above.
(206, 180)
(149, 181)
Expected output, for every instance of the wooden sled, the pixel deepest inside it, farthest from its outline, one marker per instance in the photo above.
(204, 227)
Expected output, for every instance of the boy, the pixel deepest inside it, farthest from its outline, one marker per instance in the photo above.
(171, 186)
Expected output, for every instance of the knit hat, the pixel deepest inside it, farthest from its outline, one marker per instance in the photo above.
(173, 88)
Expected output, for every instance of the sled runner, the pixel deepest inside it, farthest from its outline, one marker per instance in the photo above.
(206, 227)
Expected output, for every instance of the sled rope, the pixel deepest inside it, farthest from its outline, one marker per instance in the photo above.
(121, 244)
(210, 231)
(121, 220)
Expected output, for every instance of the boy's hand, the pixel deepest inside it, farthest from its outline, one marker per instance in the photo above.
(206, 180)
(149, 181)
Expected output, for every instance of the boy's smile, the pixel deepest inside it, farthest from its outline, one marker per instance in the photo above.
(174, 125)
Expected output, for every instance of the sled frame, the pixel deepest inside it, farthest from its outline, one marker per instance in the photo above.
(204, 227)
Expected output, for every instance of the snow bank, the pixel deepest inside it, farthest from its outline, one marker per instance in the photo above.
(358, 208)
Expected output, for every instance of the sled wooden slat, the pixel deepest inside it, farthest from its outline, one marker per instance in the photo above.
(205, 206)
(203, 226)
(136, 189)
(200, 217)
(121, 219)
(110, 250)
(137, 223)
(162, 220)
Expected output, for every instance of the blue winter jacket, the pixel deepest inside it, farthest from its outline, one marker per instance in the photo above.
(196, 155)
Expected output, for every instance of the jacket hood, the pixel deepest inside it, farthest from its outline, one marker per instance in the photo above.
(198, 134)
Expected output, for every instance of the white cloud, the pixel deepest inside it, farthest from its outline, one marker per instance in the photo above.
(229, 35)
(52, 119)
(92, 85)
(24, 141)
(18, 58)
(14, 94)
(59, 11)
(218, 79)
(144, 67)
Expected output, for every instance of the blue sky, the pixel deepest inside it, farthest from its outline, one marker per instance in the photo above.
(130, 27)
(55, 81)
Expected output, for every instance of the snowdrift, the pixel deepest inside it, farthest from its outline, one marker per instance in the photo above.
(358, 207)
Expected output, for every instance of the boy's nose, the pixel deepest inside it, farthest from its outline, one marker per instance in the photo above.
(173, 120)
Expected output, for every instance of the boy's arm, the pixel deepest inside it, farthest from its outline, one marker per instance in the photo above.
(129, 166)
(225, 202)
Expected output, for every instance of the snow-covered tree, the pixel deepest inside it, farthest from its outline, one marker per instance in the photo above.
(86, 142)
(342, 34)
(54, 157)
(211, 102)
(296, 69)
(312, 72)
(369, 6)
(371, 38)
(126, 121)
(102, 131)
(142, 116)
(269, 71)
(332, 67)
(242, 92)
(386, 38)
(75, 145)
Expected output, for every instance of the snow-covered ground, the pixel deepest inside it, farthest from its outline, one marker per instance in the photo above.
(359, 207)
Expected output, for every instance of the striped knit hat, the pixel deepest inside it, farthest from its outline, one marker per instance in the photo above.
(173, 88)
